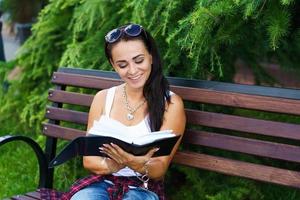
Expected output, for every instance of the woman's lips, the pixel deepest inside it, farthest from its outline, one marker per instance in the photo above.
(135, 77)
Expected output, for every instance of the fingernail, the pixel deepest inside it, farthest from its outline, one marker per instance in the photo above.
(156, 149)
(101, 148)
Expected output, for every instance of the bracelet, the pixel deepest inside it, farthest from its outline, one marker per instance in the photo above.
(144, 178)
(146, 167)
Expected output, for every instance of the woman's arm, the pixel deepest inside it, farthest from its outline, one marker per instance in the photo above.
(96, 164)
(174, 119)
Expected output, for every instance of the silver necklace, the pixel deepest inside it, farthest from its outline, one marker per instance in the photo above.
(130, 110)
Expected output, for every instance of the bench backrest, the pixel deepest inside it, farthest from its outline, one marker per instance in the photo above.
(218, 118)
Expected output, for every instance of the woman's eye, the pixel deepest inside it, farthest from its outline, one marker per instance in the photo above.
(122, 66)
(139, 61)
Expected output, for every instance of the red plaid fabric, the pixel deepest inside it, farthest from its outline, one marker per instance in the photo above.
(116, 191)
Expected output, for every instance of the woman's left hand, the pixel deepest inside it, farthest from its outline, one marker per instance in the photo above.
(124, 158)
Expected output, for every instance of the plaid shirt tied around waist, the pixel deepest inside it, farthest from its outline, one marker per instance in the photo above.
(116, 191)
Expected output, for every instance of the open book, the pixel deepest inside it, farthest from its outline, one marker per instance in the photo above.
(89, 145)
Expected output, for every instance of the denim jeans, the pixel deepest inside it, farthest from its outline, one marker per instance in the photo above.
(98, 191)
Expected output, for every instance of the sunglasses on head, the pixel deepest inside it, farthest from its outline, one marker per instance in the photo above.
(132, 30)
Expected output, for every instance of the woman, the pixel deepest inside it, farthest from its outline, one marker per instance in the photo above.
(141, 105)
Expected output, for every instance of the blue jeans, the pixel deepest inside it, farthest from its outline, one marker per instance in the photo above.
(98, 191)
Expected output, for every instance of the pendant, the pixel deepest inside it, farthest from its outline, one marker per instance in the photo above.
(145, 184)
(130, 116)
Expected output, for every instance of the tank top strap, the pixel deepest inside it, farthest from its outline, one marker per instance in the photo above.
(109, 100)
(171, 93)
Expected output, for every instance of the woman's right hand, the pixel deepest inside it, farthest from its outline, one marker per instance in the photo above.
(112, 165)
(101, 165)
(118, 155)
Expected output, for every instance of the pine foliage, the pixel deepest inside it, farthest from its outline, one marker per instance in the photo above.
(197, 38)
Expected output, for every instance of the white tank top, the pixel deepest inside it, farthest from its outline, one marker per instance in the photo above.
(107, 123)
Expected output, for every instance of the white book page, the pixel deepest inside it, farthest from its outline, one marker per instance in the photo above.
(108, 131)
(151, 137)
(140, 140)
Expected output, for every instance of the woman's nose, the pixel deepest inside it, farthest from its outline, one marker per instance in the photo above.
(132, 69)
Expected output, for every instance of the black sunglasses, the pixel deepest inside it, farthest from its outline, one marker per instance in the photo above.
(132, 30)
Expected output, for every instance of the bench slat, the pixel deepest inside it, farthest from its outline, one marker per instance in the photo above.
(245, 124)
(239, 168)
(84, 81)
(36, 194)
(66, 115)
(272, 104)
(23, 197)
(61, 132)
(74, 98)
(243, 145)
(238, 100)
(196, 83)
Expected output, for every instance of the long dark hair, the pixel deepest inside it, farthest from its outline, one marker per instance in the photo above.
(156, 89)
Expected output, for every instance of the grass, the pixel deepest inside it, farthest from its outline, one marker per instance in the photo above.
(18, 169)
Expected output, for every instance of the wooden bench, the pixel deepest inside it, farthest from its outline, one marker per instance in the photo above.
(215, 122)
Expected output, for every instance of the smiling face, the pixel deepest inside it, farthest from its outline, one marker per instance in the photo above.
(132, 61)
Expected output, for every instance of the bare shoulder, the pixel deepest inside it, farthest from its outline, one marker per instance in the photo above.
(176, 104)
(97, 107)
(174, 116)
(98, 102)
(100, 96)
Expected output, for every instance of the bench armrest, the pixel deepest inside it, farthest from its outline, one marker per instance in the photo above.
(43, 167)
